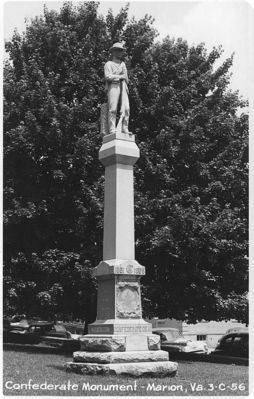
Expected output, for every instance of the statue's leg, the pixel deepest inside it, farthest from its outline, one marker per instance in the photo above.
(113, 98)
(126, 113)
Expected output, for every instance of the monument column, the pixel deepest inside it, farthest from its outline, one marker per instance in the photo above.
(118, 274)
(119, 341)
(118, 154)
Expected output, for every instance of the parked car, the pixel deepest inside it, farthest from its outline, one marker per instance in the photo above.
(42, 332)
(17, 317)
(58, 336)
(27, 332)
(25, 323)
(237, 329)
(233, 344)
(173, 341)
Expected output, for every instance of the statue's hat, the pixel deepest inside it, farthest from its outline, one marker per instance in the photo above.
(117, 46)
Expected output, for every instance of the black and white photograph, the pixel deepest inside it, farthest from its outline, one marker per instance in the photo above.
(125, 183)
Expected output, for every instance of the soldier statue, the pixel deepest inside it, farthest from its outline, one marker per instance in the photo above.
(116, 78)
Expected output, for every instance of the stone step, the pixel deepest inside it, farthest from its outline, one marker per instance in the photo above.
(120, 357)
(138, 369)
(119, 343)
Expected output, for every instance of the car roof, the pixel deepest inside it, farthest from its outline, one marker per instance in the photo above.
(237, 329)
(236, 334)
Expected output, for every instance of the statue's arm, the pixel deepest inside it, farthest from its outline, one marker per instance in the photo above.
(110, 76)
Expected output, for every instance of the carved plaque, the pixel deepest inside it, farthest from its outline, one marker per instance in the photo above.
(128, 300)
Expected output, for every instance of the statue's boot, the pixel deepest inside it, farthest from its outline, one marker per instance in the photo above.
(125, 125)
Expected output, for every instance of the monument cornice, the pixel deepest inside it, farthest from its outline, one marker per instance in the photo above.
(118, 266)
(119, 151)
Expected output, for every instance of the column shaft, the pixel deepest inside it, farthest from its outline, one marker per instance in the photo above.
(118, 240)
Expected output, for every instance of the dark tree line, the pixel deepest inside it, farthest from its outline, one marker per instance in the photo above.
(191, 181)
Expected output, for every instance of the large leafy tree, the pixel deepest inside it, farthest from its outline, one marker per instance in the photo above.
(191, 179)
(192, 192)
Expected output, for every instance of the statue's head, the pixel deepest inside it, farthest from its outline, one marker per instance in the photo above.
(117, 50)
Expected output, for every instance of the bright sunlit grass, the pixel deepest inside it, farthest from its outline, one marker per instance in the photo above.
(24, 364)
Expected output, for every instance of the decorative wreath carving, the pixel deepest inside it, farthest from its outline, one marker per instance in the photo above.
(128, 304)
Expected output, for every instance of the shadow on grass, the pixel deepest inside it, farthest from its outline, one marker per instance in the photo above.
(36, 349)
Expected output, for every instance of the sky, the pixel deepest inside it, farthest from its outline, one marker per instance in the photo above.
(214, 22)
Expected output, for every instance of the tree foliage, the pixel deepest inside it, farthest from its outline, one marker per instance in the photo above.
(190, 181)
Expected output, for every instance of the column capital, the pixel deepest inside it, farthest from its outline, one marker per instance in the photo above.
(117, 149)
(118, 267)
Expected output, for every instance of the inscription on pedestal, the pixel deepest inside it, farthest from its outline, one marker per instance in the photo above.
(130, 278)
(119, 329)
(117, 266)
(99, 330)
(129, 269)
(131, 329)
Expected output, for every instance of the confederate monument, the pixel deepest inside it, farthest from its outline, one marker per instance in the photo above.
(119, 341)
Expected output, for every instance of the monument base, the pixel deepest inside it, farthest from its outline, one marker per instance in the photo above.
(120, 357)
(133, 369)
(120, 343)
(130, 355)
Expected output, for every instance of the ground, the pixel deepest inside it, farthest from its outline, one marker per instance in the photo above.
(27, 366)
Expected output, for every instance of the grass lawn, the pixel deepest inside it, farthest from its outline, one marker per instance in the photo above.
(22, 364)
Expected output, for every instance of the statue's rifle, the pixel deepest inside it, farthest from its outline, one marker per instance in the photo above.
(120, 121)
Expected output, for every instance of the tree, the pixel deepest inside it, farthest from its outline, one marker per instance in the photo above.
(192, 186)
(191, 179)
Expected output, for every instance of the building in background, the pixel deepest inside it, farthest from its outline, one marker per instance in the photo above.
(209, 331)
(171, 323)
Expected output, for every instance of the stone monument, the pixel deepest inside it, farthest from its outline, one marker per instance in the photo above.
(119, 341)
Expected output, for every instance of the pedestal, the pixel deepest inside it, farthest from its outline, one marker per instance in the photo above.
(120, 341)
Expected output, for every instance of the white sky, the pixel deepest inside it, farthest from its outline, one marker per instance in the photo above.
(216, 22)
